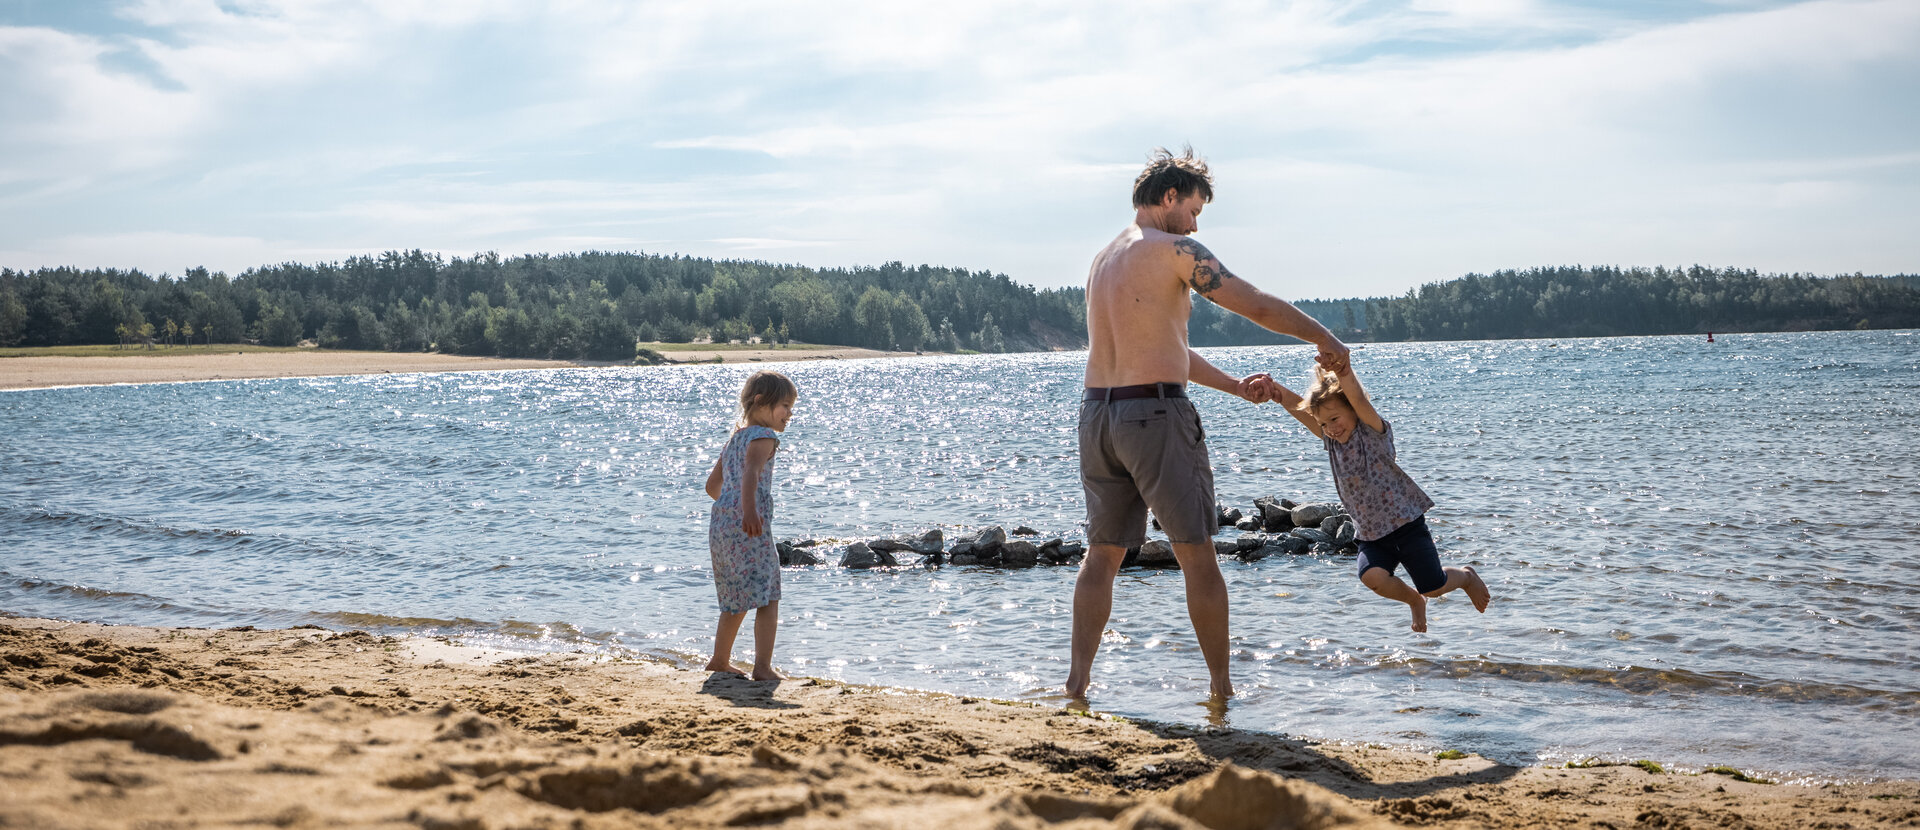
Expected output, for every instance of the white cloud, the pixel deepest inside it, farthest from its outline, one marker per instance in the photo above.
(1000, 135)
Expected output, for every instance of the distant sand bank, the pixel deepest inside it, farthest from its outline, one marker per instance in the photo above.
(112, 726)
(37, 372)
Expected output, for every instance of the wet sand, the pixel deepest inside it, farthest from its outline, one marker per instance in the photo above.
(111, 726)
(38, 372)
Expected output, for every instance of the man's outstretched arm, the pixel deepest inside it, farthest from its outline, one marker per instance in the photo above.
(1256, 387)
(1203, 273)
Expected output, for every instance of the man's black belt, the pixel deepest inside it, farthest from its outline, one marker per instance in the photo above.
(1127, 393)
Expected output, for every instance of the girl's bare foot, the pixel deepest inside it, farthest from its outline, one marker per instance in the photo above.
(1477, 591)
(723, 666)
(1419, 613)
(767, 675)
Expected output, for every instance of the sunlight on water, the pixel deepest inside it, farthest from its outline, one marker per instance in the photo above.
(1703, 554)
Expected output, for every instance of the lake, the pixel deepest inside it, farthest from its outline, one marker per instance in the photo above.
(1699, 553)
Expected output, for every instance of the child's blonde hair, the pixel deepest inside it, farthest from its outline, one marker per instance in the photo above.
(1324, 389)
(765, 388)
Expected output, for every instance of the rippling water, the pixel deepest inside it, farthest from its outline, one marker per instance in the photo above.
(1699, 553)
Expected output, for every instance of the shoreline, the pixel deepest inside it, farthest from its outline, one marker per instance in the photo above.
(312, 727)
(51, 372)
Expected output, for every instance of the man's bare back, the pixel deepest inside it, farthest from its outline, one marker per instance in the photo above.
(1137, 310)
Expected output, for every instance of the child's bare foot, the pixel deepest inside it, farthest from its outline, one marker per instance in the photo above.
(1419, 613)
(723, 666)
(767, 675)
(1477, 590)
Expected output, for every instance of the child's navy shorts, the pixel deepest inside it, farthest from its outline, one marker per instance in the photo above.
(1410, 545)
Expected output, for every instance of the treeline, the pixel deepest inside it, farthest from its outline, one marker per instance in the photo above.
(1575, 301)
(589, 305)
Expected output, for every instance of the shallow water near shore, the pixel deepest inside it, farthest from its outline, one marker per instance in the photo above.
(1701, 554)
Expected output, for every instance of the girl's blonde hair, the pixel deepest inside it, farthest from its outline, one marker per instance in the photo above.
(1324, 389)
(765, 388)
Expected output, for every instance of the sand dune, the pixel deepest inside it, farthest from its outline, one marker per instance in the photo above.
(140, 727)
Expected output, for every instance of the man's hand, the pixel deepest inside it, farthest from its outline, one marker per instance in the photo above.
(750, 521)
(1256, 388)
(1333, 357)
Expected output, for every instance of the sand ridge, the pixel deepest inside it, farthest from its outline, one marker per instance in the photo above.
(111, 726)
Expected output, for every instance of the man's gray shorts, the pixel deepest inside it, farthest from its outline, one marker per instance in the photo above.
(1145, 453)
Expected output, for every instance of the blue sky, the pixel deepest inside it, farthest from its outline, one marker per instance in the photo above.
(1359, 148)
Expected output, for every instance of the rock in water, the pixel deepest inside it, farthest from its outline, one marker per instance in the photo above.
(1312, 534)
(1248, 524)
(1157, 553)
(859, 556)
(1023, 530)
(1225, 547)
(929, 542)
(987, 539)
(1311, 515)
(803, 556)
(1273, 517)
(1019, 554)
(888, 545)
(963, 559)
(1229, 516)
(1291, 544)
(785, 550)
(1320, 548)
(1347, 532)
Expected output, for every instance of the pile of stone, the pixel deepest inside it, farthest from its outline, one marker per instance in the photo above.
(1276, 526)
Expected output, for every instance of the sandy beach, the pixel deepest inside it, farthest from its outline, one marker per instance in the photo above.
(117, 726)
(38, 372)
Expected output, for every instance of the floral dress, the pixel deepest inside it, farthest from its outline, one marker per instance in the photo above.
(746, 569)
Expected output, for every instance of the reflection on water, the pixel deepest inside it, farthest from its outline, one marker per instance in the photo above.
(1704, 554)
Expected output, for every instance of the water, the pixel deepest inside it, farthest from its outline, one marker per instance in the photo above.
(1699, 554)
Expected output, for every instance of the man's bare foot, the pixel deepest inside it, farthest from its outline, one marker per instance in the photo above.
(769, 674)
(723, 666)
(1077, 687)
(1220, 689)
(1419, 613)
(1477, 590)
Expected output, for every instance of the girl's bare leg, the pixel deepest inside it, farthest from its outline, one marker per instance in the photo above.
(1391, 587)
(723, 635)
(766, 622)
(1469, 579)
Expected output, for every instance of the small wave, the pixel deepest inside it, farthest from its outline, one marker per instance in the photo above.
(1641, 680)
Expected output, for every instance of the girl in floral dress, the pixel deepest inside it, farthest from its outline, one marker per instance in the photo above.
(746, 568)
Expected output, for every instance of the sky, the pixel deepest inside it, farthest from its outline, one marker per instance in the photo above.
(1358, 148)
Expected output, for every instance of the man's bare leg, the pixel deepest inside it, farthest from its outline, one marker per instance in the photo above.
(1387, 585)
(1092, 605)
(1207, 609)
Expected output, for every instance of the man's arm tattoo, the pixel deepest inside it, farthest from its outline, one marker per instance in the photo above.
(1208, 273)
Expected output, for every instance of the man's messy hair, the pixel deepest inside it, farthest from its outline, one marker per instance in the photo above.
(1184, 174)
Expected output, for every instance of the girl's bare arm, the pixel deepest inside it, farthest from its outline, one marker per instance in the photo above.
(1362, 405)
(1290, 401)
(759, 452)
(713, 480)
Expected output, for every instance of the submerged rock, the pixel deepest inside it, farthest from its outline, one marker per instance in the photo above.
(1023, 530)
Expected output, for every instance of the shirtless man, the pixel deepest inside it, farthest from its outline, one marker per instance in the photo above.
(1141, 444)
